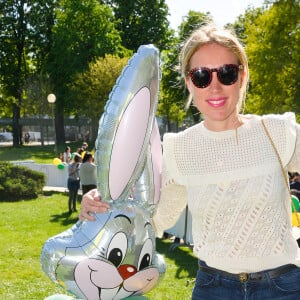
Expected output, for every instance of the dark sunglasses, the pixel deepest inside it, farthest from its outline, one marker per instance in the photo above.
(227, 75)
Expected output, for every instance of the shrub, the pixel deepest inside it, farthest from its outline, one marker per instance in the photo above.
(19, 182)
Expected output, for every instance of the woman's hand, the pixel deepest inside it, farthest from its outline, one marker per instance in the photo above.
(91, 202)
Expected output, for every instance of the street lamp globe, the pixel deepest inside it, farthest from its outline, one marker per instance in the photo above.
(51, 98)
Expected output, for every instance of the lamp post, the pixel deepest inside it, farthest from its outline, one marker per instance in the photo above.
(51, 98)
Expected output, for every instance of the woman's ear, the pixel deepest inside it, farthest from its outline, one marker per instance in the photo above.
(243, 77)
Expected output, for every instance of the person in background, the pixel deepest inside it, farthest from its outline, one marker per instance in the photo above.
(80, 151)
(227, 171)
(84, 146)
(73, 182)
(67, 156)
(295, 182)
(87, 173)
(61, 156)
(27, 138)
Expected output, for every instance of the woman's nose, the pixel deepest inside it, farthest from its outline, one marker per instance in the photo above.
(215, 83)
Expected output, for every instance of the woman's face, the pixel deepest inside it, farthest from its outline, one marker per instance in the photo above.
(217, 102)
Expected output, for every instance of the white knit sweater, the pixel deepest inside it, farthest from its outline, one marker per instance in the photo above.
(234, 189)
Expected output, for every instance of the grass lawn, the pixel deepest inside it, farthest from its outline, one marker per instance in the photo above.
(26, 225)
(39, 154)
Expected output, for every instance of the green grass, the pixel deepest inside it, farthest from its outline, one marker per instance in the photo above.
(26, 225)
(24, 228)
(39, 154)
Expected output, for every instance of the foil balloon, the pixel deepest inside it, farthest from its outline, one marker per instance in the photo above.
(126, 124)
(147, 188)
(114, 257)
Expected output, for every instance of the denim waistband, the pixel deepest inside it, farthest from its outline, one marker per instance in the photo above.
(244, 277)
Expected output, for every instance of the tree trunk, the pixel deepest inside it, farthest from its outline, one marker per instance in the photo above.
(17, 132)
(59, 127)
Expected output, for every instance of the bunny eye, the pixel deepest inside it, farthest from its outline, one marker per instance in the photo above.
(117, 248)
(145, 258)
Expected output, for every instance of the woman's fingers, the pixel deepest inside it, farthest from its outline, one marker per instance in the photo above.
(91, 202)
(85, 216)
(92, 194)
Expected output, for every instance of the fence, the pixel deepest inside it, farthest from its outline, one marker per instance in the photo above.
(54, 176)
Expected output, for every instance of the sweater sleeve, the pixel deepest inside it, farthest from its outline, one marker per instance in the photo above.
(294, 164)
(173, 197)
(285, 133)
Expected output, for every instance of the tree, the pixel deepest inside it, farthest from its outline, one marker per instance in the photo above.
(250, 16)
(14, 22)
(35, 102)
(84, 30)
(91, 88)
(142, 22)
(21, 39)
(173, 96)
(273, 48)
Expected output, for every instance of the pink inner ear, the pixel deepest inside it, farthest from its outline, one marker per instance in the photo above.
(128, 142)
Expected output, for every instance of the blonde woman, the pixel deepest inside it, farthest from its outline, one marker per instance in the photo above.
(228, 173)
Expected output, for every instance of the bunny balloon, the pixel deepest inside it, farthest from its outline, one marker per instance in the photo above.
(114, 257)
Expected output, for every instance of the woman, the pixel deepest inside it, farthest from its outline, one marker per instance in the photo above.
(87, 173)
(67, 156)
(228, 173)
(73, 182)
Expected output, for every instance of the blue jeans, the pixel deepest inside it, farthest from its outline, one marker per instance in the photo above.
(219, 287)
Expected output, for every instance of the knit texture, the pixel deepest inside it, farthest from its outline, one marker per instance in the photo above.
(234, 188)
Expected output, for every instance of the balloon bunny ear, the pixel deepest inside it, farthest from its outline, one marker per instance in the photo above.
(147, 188)
(126, 124)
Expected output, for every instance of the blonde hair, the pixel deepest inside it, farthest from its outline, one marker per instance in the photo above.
(210, 33)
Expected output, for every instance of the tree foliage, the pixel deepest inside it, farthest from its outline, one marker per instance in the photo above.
(90, 89)
(273, 47)
(18, 38)
(35, 104)
(142, 22)
(77, 48)
(250, 16)
(173, 96)
(84, 30)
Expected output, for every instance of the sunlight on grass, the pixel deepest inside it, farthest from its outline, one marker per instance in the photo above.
(39, 154)
(26, 225)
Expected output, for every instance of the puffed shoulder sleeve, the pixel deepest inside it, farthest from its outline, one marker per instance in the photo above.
(294, 131)
(173, 197)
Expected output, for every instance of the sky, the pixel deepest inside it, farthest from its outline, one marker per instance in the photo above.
(223, 11)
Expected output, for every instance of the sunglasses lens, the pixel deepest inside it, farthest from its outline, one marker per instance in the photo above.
(228, 74)
(201, 77)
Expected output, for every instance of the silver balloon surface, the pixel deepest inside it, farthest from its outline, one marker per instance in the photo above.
(114, 257)
(147, 187)
(126, 124)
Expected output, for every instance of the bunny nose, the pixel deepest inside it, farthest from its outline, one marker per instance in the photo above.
(127, 271)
